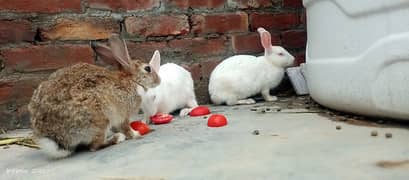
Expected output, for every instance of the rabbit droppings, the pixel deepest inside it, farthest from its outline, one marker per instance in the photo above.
(239, 77)
(84, 104)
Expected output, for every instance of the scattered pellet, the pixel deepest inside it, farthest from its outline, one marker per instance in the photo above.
(388, 135)
(338, 127)
(374, 133)
(268, 110)
(253, 109)
(256, 132)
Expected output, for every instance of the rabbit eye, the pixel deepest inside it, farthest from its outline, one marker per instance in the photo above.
(281, 54)
(147, 69)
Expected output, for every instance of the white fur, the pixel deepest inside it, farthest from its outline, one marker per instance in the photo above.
(135, 134)
(51, 148)
(120, 137)
(238, 77)
(175, 91)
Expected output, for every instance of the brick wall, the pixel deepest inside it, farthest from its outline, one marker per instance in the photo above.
(39, 36)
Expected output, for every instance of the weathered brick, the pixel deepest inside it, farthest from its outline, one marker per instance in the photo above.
(299, 58)
(199, 47)
(203, 69)
(294, 39)
(89, 28)
(274, 21)
(195, 71)
(144, 50)
(184, 4)
(16, 31)
(124, 5)
(220, 23)
(45, 57)
(245, 4)
(19, 88)
(250, 43)
(208, 67)
(292, 3)
(40, 6)
(303, 18)
(162, 25)
(6, 90)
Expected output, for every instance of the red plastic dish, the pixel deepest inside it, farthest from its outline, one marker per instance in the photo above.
(141, 127)
(199, 111)
(217, 120)
(161, 118)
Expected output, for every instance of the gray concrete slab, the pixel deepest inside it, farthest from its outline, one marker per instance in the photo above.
(292, 144)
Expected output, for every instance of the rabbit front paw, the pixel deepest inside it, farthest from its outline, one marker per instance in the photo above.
(270, 98)
(185, 112)
(246, 101)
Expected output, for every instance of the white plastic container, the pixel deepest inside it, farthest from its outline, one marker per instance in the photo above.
(357, 56)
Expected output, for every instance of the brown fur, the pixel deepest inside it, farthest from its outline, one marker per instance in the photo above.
(81, 103)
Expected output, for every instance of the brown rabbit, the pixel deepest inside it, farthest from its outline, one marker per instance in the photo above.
(83, 104)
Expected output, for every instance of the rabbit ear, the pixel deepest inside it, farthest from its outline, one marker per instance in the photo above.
(120, 51)
(265, 38)
(155, 61)
(105, 53)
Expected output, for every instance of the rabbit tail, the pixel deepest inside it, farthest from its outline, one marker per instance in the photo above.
(51, 148)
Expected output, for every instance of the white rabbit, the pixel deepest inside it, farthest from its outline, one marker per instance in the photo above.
(175, 91)
(239, 77)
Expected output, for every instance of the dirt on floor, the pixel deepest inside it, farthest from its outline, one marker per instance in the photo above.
(296, 104)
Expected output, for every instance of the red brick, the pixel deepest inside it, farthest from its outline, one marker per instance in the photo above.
(184, 4)
(294, 39)
(46, 57)
(199, 47)
(220, 23)
(6, 90)
(40, 6)
(195, 71)
(250, 43)
(274, 21)
(124, 5)
(208, 67)
(144, 51)
(19, 88)
(203, 69)
(16, 31)
(162, 25)
(245, 4)
(292, 3)
(299, 58)
(90, 28)
(303, 18)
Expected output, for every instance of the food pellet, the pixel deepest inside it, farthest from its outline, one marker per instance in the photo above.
(338, 127)
(388, 135)
(374, 133)
(256, 132)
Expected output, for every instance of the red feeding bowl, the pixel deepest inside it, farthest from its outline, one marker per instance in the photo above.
(217, 120)
(141, 127)
(161, 118)
(199, 111)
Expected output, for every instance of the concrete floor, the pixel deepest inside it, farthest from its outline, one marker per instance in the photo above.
(292, 144)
